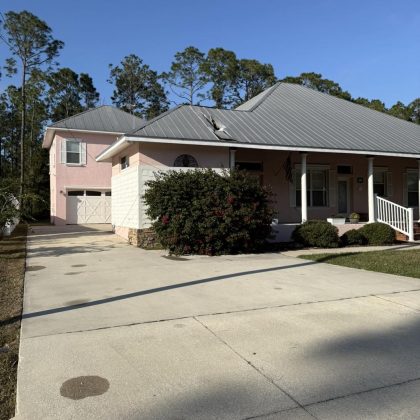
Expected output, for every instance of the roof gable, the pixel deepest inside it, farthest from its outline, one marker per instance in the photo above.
(103, 118)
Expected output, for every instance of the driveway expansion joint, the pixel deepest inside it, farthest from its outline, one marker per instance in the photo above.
(249, 363)
(397, 303)
(366, 391)
(263, 308)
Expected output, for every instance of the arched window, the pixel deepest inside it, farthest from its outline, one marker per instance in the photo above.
(185, 161)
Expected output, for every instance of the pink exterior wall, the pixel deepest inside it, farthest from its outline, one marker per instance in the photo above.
(159, 155)
(53, 180)
(90, 176)
(274, 176)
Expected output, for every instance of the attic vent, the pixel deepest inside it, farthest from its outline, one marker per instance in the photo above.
(186, 161)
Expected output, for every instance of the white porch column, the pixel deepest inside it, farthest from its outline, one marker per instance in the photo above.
(371, 194)
(303, 188)
(232, 159)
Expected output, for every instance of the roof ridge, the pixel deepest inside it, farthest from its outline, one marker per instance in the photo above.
(351, 102)
(267, 91)
(96, 108)
(148, 122)
(79, 113)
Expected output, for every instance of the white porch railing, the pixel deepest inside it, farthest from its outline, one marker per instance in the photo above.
(398, 217)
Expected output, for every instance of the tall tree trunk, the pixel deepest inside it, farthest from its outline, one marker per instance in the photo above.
(22, 134)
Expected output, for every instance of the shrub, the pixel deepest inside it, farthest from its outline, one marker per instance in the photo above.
(378, 234)
(353, 237)
(203, 212)
(317, 233)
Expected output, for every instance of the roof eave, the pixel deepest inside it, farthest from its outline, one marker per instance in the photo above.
(107, 154)
(48, 137)
(125, 141)
(50, 132)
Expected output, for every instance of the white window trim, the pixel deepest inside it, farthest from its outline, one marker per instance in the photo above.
(82, 152)
(315, 167)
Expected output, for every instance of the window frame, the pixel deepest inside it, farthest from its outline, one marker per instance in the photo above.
(414, 172)
(326, 189)
(126, 163)
(79, 143)
(384, 171)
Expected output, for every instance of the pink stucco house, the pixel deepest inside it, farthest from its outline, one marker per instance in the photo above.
(321, 155)
(80, 187)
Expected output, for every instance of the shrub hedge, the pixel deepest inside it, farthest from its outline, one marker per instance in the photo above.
(378, 234)
(203, 212)
(353, 237)
(319, 233)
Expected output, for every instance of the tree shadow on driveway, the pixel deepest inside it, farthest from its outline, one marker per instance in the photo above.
(155, 290)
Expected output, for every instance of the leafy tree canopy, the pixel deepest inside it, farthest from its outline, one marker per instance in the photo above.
(317, 82)
(137, 89)
(70, 93)
(187, 76)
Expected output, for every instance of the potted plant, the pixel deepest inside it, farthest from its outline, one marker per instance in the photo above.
(354, 217)
(337, 219)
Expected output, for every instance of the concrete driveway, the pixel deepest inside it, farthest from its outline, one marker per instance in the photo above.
(114, 332)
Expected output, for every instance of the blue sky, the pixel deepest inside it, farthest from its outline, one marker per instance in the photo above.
(370, 47)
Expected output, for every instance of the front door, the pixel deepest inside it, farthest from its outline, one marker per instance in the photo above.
(343, 196)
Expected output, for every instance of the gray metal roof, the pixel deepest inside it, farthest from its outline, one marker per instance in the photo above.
(256, 100)
(291, 115)
(103, 118)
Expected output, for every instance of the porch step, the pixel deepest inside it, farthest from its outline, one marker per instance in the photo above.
(404, 238)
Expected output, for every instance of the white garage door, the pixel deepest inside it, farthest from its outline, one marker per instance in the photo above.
(83, 208)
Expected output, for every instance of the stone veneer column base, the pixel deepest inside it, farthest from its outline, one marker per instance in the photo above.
(143, 238)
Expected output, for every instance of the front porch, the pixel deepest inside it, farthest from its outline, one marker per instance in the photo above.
(324, 185)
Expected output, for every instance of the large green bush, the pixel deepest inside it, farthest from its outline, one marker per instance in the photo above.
(378, 234)
(353, 237)
(203, 212)
(317, 233)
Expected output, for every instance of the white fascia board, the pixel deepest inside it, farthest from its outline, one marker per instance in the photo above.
(113, 149)
(126, 140)
(50, 131)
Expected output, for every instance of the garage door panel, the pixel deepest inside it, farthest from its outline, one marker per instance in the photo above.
(88, 209)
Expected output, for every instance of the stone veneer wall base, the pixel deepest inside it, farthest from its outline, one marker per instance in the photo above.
(143, 238)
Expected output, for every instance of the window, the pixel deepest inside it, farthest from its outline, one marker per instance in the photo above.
(249, 166)
(412, 189)
(75, 193)
(317, 187)
(73, 152)
(185, 161)
(344, 170)
(108, 193)
(93, 193)
(125, 163)
(255, 169)
(380, 182)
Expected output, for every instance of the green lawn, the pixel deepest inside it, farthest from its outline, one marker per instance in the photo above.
(403, 263)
